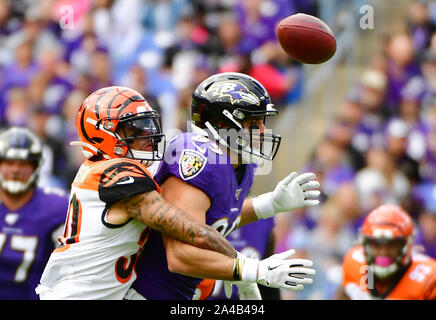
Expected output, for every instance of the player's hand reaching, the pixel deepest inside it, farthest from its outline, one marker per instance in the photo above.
(293, 192)
(278, 271)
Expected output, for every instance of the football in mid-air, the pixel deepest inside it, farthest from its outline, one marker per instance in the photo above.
(306, 38)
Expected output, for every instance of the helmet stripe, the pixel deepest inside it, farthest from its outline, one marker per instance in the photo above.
(109, 106)
(22, 141)
(82, 126)
(129, 101)
(389, 224)
(13, 139)
(97, 103)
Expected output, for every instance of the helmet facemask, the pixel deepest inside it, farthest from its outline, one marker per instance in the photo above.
(243, 134)
(141, 136)
(385, 265)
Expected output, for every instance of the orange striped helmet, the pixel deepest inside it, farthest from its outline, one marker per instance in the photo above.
(112, 122)
(388, 223)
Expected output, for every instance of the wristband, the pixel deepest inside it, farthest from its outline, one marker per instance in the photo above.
(249, 270)
(237, 269)
(262, 206)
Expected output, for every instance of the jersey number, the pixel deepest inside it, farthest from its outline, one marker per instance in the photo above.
(74, 221)
(419, 274)
(125, 265)
(222, 224)
(26, 244)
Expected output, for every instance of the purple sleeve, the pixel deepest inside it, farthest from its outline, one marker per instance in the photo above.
(189, 165)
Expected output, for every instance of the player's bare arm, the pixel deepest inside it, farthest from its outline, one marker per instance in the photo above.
(248, 215)
(186, 259)
(155, 212)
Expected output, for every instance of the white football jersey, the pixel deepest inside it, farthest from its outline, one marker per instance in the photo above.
(96, 259)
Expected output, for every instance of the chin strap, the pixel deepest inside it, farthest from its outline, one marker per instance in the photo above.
(384, 272)
(15, 187)
(141, 156)
(215, 134)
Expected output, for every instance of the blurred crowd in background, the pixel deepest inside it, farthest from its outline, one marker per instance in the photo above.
(53, 54)
(381, 147)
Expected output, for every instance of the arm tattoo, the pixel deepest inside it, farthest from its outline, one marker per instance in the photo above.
(155, 212)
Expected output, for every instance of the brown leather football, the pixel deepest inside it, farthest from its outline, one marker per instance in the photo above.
(306, 38)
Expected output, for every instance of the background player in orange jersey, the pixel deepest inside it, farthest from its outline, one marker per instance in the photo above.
(385, 265)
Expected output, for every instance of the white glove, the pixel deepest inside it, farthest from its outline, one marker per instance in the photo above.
(294, 191)
(278, 272)
(246, 290)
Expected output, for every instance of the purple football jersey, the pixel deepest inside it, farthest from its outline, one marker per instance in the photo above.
(197, 161)
(26, 241)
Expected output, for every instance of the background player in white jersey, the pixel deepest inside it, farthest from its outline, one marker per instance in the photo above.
(114, 201)
(31, 217)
